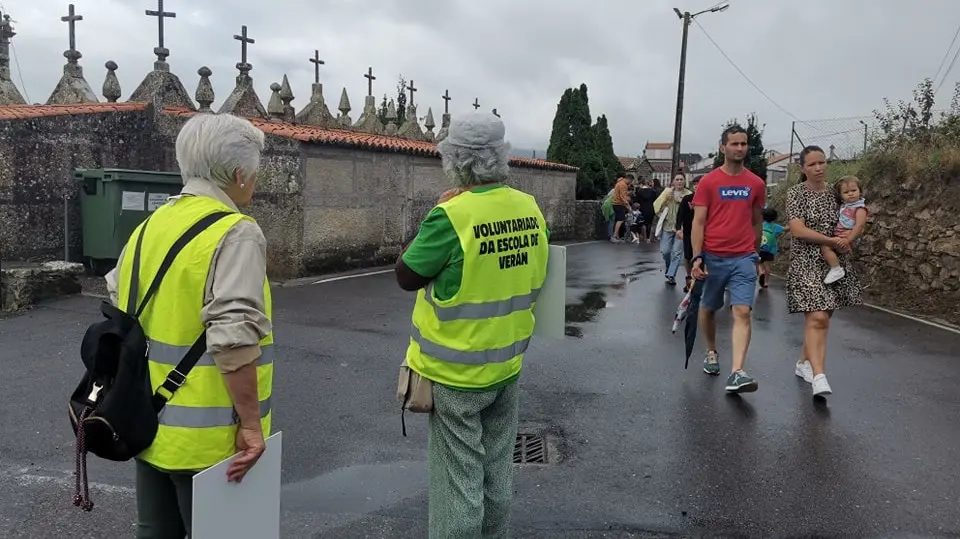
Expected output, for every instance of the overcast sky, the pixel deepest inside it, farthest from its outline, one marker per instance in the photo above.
(818, 59)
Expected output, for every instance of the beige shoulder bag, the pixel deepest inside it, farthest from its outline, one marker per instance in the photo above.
(414, 393)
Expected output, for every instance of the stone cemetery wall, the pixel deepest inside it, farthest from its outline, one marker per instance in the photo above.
(37, 156)
(361, 207)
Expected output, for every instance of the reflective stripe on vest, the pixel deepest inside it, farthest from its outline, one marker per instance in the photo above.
(173, 415)
(468, 357)
(477, 338)
(169, 354)
(480, 311)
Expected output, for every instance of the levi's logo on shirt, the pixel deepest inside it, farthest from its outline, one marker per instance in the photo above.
(735, 193)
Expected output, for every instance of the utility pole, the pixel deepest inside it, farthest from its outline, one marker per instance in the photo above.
(864, 136)
(686, 17)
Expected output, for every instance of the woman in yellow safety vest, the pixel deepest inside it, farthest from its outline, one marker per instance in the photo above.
(477, 264)
(216, 284)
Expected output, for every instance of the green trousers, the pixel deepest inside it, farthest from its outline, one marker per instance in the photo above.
(472, 435)
(164, 503)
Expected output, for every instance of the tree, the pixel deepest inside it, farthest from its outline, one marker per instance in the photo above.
(756, 161)
(400, 103)
(576, 141)
(612, 166)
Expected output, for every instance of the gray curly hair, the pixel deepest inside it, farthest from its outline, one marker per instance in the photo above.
(474, 152)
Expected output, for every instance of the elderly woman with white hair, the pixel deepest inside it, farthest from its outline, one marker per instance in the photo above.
(215, 289)
(477, 264)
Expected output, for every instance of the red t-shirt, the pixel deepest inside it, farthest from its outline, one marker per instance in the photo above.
(730, 201)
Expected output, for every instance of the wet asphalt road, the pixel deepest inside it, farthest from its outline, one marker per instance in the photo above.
(639, 447)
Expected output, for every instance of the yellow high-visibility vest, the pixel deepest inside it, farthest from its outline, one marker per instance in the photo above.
(198, 426)
(477, 338)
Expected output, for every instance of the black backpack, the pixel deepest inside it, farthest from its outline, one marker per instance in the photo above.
(113, 410)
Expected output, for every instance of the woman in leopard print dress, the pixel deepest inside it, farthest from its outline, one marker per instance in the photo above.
(812, 210)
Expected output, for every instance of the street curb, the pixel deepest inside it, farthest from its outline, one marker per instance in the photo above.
(944, 327)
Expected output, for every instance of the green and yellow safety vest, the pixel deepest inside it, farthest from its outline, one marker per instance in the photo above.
(198, 426)
(477, 338)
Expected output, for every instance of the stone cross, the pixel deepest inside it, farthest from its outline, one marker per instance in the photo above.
(370, 78)
(412, 89)
(446, 101)
(317, 62)
(243, 39)
(72, 19)
(160, 14)
(476, 103)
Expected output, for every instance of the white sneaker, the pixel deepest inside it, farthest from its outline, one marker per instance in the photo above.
(805, 371)
(834, 275)
(821, 388)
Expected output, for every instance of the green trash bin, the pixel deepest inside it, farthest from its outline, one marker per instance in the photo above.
(113, 202)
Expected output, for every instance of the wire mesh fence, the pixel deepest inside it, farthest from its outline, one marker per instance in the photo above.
(841, 139)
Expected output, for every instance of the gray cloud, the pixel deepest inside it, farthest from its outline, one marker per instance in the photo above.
(818, 59)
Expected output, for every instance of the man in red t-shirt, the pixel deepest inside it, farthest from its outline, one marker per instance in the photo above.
(726, 233)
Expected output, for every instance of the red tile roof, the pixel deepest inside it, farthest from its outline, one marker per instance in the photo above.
(303, 133)
(661, 166)
(627, 162)
(25, 112)
(777, 158)
(659, 145)
(356, 139)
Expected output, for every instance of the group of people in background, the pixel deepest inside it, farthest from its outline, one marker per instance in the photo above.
(722, 231)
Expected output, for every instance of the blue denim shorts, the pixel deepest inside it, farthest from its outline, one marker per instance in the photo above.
(738, 273)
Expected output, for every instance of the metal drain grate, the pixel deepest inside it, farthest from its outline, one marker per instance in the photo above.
(529, 449)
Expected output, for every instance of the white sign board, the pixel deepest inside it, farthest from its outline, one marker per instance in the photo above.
(155, 200)
(132, 200)
(551, 308)
(250, 508)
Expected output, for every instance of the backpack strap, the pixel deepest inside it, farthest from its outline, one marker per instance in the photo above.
(135, 273)
(177, 376)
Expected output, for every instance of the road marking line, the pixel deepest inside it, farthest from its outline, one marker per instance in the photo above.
(381, 272)
(352, 276)
(896, 313)
(914, 318)
(32, 480)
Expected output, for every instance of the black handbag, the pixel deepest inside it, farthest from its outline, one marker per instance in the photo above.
(113, 410)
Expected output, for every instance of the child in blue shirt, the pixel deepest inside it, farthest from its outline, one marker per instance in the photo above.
(768, 243)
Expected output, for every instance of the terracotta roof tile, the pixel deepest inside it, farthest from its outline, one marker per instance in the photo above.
(627, 162)
(355, 139)
(777, 158)
(662, 166)
(25, 112)
(659, 145)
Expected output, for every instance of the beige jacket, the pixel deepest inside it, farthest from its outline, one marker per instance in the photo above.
(233, 302)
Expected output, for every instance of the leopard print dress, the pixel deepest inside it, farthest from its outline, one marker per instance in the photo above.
(806, 291)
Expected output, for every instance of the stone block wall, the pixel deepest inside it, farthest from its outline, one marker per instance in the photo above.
(37, 157)
(360, 208)
(910, 255)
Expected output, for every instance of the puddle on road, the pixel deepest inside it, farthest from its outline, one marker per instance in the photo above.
(586, 311)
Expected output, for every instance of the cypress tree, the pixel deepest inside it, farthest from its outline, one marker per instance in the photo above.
(612, 166)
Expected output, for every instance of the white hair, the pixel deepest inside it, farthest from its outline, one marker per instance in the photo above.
(474, 152)
(213, 147)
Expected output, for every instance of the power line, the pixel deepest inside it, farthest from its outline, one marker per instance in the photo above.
(947, 54)
(947, 73)
(744, 75)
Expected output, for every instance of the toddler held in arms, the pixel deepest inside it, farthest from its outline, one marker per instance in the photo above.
(852, 219)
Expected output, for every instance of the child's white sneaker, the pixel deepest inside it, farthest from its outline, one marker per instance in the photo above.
(834, 275)
(820, 386)
(805, 370)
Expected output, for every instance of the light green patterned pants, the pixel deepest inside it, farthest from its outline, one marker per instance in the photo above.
(472, 435)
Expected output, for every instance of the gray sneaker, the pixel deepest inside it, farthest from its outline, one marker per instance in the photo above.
(740, 382)
(711, 363)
